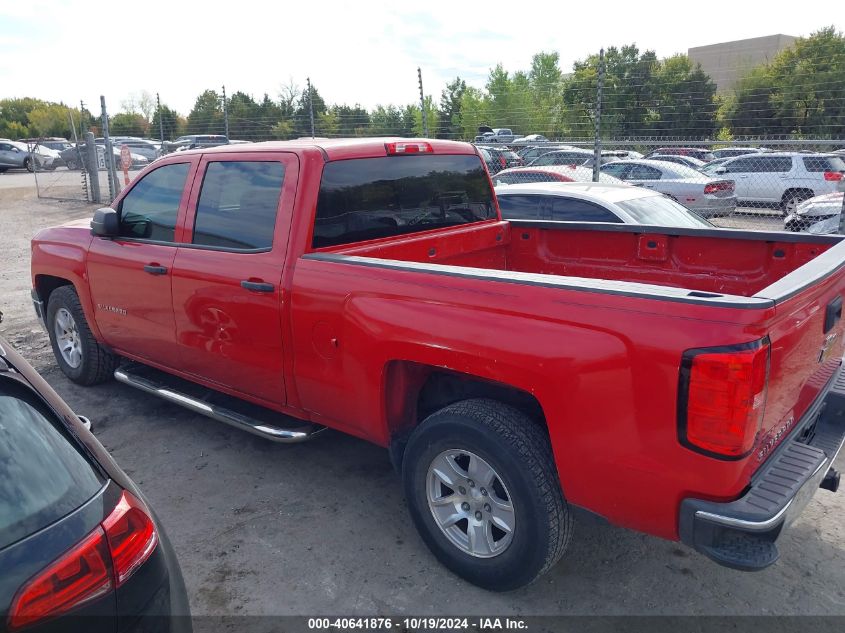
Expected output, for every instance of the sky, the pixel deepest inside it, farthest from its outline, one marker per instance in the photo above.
(364, 52)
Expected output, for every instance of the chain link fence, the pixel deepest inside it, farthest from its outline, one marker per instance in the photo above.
(757, 184)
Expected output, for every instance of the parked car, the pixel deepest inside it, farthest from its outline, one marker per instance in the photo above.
(14, 155)
(530, 152)
(143, 147)
(193, 141)
(707, 196)
(514, 370)
(531, 138)
(783, 180)
(73, 157)
(551, 173)
(56, 143)
(689, 161)
(80, 548)
(696, 152)
(494, 135)
(593, 202)
(563, 157)
(622, 153)
(498, 159)
(730, 152)
(814, 210)
(710, 168)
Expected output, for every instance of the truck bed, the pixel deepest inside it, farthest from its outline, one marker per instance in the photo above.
(720, 262)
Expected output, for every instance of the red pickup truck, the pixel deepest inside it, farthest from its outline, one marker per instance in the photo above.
(684, 383)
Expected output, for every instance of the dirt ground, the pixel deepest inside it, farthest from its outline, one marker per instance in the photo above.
(322, 527)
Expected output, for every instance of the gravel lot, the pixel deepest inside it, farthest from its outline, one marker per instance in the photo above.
(322, 527)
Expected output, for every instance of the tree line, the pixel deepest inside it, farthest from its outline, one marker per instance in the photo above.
(801, 91)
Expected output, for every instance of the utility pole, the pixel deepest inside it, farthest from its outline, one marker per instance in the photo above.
(81, 117)
(160, 119)
(422, 104)
(597, 140)
(310, 104)
(225, 113)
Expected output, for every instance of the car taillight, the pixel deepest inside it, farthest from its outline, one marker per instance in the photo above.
(104, 560)
(722, 398)
(131, 535)
(724, 185)
(833, 175)
(503, 162)
(408, 148)
(78, 576)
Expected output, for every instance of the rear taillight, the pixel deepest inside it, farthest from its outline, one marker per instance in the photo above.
(503, 162)
(408, 148)
(78, 576)
(833, 175)
(723, 185)
(132, 537)
(722, 398)
(104, 560)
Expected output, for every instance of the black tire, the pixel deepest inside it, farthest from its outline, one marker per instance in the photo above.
(28, 164)
(518, 449)
(71, 164)
(98, 363)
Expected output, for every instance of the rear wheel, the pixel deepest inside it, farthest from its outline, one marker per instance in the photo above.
(28, 164)
(78, 354)
(72, 164)
(791, 199)
(484, 494)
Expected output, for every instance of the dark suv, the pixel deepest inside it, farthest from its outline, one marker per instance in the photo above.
(80, 548)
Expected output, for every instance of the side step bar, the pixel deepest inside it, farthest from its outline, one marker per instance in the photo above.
(271, 425)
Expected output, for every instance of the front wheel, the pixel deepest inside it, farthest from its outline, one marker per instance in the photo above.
(28, 164)
(791, 199)
(78, 354)
(483, 492)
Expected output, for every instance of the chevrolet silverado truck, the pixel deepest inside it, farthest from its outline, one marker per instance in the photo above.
(685, 383)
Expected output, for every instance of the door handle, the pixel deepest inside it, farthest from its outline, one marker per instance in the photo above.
(155, 269)
(257, 286)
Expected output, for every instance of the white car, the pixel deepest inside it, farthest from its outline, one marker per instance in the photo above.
(782, 180)
(594, 202)
(819, 209)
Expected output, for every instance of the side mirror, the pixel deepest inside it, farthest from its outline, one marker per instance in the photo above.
(104, 223)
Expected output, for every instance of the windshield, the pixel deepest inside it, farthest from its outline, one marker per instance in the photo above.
(661, 211)
(368, 198)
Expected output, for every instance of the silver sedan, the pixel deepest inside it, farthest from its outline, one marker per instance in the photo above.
(707, 196)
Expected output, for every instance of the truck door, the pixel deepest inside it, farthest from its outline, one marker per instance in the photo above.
(130, 275)
(227, 291)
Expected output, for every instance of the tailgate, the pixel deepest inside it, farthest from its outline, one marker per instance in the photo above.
(806, 336)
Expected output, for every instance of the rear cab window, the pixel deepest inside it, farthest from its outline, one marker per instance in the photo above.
(43, 474)
(369, 198)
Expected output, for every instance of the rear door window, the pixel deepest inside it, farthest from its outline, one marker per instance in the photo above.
(150, 209)
(521, 207)
(43, 473)
(368, 198)
(565, 209)
(774, 164)
(824, 163)
(237, 204)
(644, 172)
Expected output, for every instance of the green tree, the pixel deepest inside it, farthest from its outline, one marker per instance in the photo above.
(684, 100)
(475, 111)
(50, 119)
(302, 117)
(449, 116)
(128, 124)
(801, 92)
(206, 117)
(171, 122)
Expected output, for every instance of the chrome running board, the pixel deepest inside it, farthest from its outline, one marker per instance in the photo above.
(271, 425)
